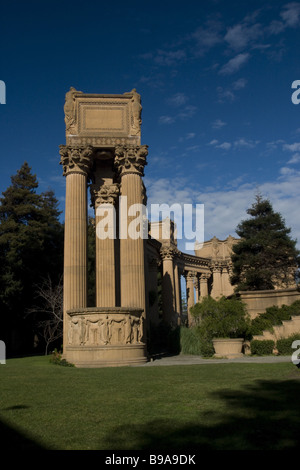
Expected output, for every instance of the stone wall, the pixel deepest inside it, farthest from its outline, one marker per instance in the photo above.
(258, 301)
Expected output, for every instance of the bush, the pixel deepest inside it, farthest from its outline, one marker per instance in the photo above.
(56, 358)
(284, 346)
(222, 318)
(273, 316)
(262, 347)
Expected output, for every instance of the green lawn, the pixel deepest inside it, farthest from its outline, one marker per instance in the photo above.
(214, 406)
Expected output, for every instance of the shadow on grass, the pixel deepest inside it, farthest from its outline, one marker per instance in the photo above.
(263, 416)
(12, 439)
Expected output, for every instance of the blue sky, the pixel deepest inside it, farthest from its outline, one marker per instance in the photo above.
(215, 79)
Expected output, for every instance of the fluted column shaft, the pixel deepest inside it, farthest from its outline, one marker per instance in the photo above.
(168, 285)
(203, 285)
(217, 282)
(104, 200)
(75, 162)
(190, 295)
(130, 162)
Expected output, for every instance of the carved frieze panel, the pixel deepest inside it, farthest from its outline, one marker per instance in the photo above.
(100, 329)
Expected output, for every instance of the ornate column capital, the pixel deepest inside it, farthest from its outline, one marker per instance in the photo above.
(107, 194)
(204, 277)
(189, 275)
(168, 252)
(76, 159)
(131, 159)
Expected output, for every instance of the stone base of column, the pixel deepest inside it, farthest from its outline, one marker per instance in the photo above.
(105, 337)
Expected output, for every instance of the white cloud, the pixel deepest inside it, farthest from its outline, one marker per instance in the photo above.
(239, 84)
(295, 147)
(225, 209)
(177, 100)
(166, 119)
(239, 36)
(224, 146)
(218, 124)
(234, 64)
(295, 159)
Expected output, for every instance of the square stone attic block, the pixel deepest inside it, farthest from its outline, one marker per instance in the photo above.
(102, 120)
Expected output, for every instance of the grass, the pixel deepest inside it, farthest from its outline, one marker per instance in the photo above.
(214, 406)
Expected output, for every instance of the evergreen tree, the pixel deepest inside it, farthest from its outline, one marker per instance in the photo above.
(265, 257)
(31, 248)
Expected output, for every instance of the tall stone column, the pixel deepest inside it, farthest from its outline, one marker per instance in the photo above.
(104, 200)
(227, 288)
(204, 285)
(153, 291)
(168, 285)
(217, 281)
(196, 285)
(177, 293)
(130, 162)
(76, 163)
(190, 294)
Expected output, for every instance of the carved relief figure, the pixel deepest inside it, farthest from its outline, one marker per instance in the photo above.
(69, 109)
(136, 112)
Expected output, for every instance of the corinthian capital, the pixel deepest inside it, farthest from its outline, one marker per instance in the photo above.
(131, 158)
(75, 159)
(168, 252)
(107, 194)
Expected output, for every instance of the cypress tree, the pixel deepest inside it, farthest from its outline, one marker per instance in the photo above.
(266, 256)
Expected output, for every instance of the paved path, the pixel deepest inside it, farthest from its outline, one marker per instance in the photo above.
(189, 359)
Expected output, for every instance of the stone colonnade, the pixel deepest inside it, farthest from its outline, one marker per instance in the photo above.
(201, 281)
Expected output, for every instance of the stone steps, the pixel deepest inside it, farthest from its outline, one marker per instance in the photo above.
(288, 328)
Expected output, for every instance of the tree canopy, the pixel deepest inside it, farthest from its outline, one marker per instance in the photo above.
(266, 256)
(31, 247)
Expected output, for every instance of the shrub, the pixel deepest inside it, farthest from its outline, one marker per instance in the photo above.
(262, 347)
(273, 316)
(56, 358)
(284, 345)
(222, 318)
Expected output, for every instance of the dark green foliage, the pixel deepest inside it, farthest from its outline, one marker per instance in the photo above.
(274, 316)
(262, 347)
(190, 341)
(265, 256)
(56, 358)
(284, 346)
(31, 249)
(222, 318)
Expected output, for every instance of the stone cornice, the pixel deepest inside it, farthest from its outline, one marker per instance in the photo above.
(76, 159)
(131, 159)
